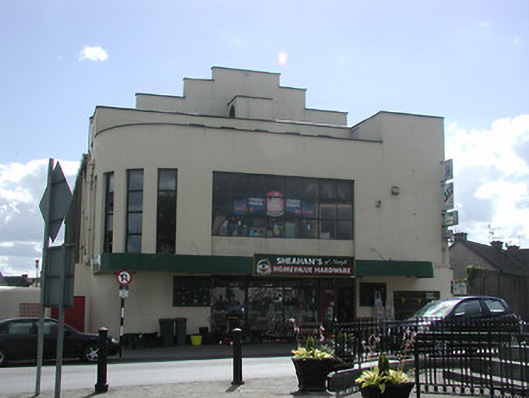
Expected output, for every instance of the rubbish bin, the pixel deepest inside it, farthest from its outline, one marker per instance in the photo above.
(180, 331)
(166, 331)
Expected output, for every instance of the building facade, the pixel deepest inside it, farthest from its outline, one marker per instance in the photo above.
(235, 205)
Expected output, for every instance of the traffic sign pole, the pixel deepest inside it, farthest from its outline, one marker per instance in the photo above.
(40, 341)
(124, 278)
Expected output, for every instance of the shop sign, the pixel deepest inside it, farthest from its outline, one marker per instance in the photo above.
(451, 218)
(449, 196)
(274, 264)
(275, 204)
(448, 170)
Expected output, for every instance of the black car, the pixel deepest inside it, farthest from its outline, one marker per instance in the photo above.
(463, 324)
(477, 310)
(18, 341)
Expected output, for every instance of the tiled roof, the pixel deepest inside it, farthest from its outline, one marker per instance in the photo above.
(510, 261)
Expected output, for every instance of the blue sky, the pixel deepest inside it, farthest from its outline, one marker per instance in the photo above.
(466, 61)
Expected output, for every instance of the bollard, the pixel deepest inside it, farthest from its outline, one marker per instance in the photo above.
(101, 385)
(237, 357)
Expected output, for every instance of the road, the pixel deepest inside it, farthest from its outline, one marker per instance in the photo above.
(20, 380)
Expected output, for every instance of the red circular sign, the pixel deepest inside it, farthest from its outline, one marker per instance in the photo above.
(124, 277)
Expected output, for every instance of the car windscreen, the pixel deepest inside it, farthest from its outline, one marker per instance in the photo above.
(436, 309)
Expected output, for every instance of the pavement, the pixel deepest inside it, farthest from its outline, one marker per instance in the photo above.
(259, 388)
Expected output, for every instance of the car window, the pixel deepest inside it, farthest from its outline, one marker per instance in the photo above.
(436, 309)
(494, 306)
(22, 328)
(50, 328)
(469, 308)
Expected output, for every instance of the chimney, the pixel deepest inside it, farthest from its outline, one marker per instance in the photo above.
(498, 244)
(460, 237)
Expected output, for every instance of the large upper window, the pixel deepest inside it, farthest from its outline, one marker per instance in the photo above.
(269, 206)
(134, 210)
(109, 212)
(166, 216)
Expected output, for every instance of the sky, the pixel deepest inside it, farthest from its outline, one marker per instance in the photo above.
(464, 60)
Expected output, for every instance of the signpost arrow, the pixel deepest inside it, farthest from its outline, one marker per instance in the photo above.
(55, 202)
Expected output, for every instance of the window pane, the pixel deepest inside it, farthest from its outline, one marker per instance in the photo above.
(135, 201)
(135, 180)
(274, 183)
(256, 226)
(167, 180)
(166, 202)
(293, 187)
(345, 230)
(328, 211)
(134, 244)
(345, 212)
(110, 203)
(344, 190)
(327, 229)
(276, 228)
(327, 190)
(134, 223)
(239, 185)
(256, 186)
(309, 229)
(110, 182)
(292, 226)
(310, 189)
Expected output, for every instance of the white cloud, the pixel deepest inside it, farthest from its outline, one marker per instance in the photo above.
(95, 54)
(21, 224)
(492, 179)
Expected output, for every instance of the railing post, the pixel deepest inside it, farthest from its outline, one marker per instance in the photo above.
(101, 385)
(237, 357)
(417, 366)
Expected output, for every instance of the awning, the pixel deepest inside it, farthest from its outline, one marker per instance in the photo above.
(180, 263)
(409, 269)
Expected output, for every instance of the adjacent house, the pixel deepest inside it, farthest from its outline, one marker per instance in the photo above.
(495, 270)
(236, 205)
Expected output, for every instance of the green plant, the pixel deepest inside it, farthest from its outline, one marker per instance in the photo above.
(381, 375)
(310, 351)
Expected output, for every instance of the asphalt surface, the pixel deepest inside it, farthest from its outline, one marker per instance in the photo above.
(269, 387)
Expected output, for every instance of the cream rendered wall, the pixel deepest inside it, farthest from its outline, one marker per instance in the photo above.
(440, 283)
(150, 299)
(288, 103)
(11, 297)
(406, 226)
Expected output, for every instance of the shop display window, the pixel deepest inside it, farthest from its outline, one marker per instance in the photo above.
(190, 292)
(268, 206)
(263, 307)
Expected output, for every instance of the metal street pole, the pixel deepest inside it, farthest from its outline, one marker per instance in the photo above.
(60, 335)
(42, 309)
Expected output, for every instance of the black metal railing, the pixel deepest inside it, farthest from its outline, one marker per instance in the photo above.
(457, 358)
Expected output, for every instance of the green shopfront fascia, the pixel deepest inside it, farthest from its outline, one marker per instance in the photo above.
(259, 294)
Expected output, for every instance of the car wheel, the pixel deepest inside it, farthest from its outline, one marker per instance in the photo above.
(90, 353)
(3, 357)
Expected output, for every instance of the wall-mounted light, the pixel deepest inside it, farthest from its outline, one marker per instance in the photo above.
(395, 190)
(378, 203)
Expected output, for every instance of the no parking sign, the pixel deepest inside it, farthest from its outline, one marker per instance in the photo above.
(124, 278)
